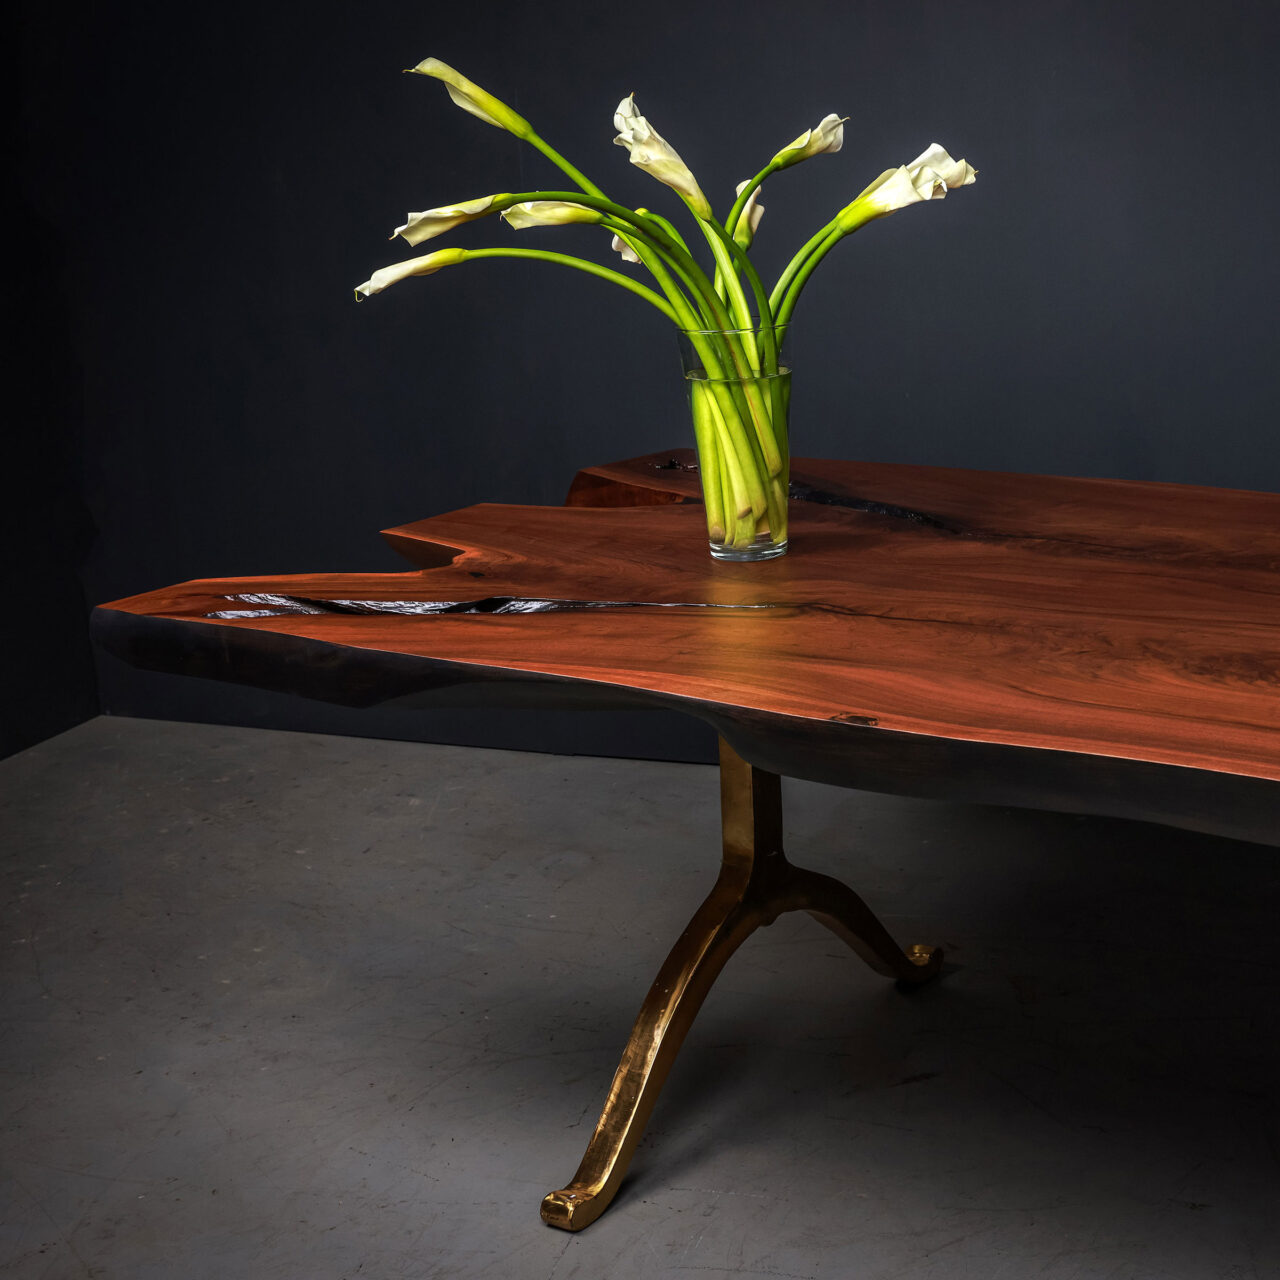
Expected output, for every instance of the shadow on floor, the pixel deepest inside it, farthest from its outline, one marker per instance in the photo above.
(284, 1005)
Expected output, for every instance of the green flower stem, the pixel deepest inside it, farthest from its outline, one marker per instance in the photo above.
(744, 528)
(745, 404)
(762, 420)
(710, 457)
(776, 503)
(731, 226)
(648, 240)
(668, 227)
(746, 359)
(740, 472)
(652, 257)
(744, 461)
(737, 300)
(561, 163)
(591, 190)
(763, 451)
(743, 491)
(722, 353)
(581, 264)
(594, 194)
(775, 512)
(744, 465)
(802, 276)
(635, 223)
(748, 466)
(726, 484)
(752, 485)
(748, 470)
(768, 336)
(754, 452)
(737, 391)
(734, 378)
(748, 491)
(731, 222)
(794, 267)
(761, 410)
(780, 397)
(668, 253)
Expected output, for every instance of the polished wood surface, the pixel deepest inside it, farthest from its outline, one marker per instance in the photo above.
(1236, 528)
(1097, 645)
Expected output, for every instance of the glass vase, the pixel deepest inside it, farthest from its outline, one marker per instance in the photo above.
(739, 384)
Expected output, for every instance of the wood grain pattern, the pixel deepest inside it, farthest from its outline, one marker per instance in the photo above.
(1235, 527)
(1098, 645)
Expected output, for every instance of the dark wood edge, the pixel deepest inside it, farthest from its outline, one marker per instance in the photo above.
(670, 475)
(843, 754)
(592, 488)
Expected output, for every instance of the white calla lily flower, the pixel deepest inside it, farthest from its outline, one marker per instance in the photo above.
(435, 222)
(651, 152)
(928, 177)
(752, 211)
(549, 213)
(471, 97)
(826, 139)
(951, 173)
(624, 250)
(427, 265)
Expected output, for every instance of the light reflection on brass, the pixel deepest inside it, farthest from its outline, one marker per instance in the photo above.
(756, 885)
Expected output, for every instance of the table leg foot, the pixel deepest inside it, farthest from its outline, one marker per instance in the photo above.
(572, 1210)
(727, 917)
(843, 912)
(755, 886)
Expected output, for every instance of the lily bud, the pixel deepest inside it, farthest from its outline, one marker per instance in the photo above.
(435, 222)
(624, 250)
(651, 152)
(471, 97)
(549, 213)
(826, 139)
(928, 177)
(749, 219)
(424, 266)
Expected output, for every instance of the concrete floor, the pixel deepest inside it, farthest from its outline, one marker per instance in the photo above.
(315, 1008)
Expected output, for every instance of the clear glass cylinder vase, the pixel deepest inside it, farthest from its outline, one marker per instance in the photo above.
(739, 384)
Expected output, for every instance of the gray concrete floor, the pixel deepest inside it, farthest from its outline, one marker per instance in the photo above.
(309, 1008)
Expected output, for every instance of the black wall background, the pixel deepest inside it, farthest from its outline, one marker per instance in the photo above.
(203, 188)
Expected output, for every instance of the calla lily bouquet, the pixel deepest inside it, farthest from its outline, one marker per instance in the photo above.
(733, 326)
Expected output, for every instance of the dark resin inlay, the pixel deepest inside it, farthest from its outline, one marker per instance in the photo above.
(273, 606)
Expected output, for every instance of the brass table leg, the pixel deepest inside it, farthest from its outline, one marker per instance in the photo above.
(756, 885)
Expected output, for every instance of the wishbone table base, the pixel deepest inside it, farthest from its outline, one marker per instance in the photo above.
(755, 886)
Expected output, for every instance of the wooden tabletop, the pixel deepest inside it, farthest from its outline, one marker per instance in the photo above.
(1096, 645)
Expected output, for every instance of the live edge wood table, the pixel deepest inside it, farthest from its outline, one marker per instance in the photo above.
(1090, 645)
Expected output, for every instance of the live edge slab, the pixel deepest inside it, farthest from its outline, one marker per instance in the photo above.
(1099, 646)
